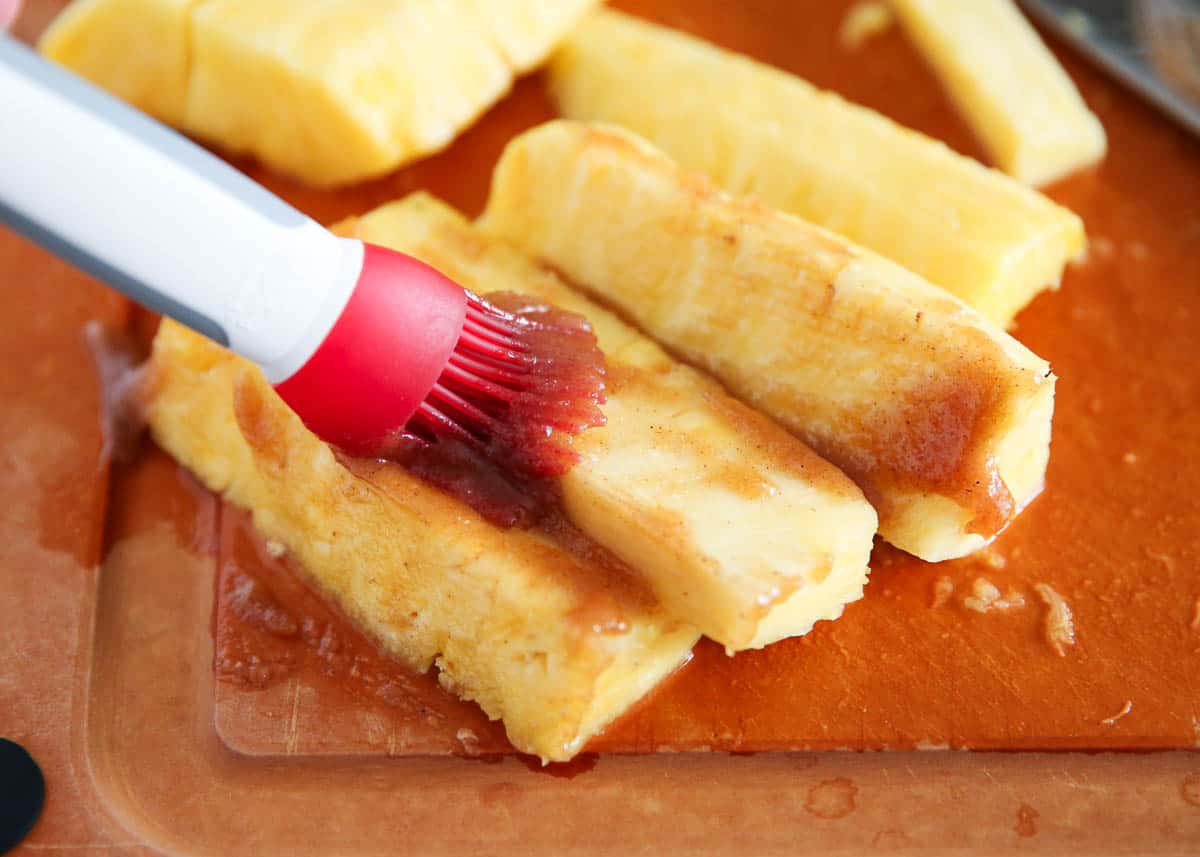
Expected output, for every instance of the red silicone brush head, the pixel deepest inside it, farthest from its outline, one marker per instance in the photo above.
(414, 354)
(383, 354)
(523, 377)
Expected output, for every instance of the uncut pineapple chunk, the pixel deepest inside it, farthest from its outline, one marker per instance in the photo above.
(987, 239)
(329, 91)
(941, 417)
(136, 49)
(739, 528)
(508, 617)
(1007, 85)
(338, 91)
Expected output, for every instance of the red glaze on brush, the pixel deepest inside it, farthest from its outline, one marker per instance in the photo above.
(414, 356)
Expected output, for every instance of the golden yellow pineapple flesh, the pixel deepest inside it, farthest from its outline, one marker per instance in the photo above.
(1008, 86)
(941, 417)
(338, 91)
(330, 91)
(984, 237)
(526, 31)
(739, 528)
(136, 49)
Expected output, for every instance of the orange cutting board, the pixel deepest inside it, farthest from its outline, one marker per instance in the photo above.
(107, 589)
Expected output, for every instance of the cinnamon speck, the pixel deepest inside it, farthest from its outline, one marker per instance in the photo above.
(1191, 789)
(831, 799)
(1027, 817)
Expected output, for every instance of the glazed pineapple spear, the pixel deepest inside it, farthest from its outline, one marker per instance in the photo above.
(363, 343)
(941, 418)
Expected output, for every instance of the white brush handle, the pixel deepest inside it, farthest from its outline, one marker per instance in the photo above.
(164, 221)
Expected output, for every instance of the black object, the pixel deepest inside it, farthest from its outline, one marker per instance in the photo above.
(22, 793)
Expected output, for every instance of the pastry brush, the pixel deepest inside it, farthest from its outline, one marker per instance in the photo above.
(360, 341)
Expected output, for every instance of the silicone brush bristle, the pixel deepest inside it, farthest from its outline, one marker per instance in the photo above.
(522, 376)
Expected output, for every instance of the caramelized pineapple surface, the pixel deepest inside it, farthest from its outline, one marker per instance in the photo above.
(737, 526)
(511, 619)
